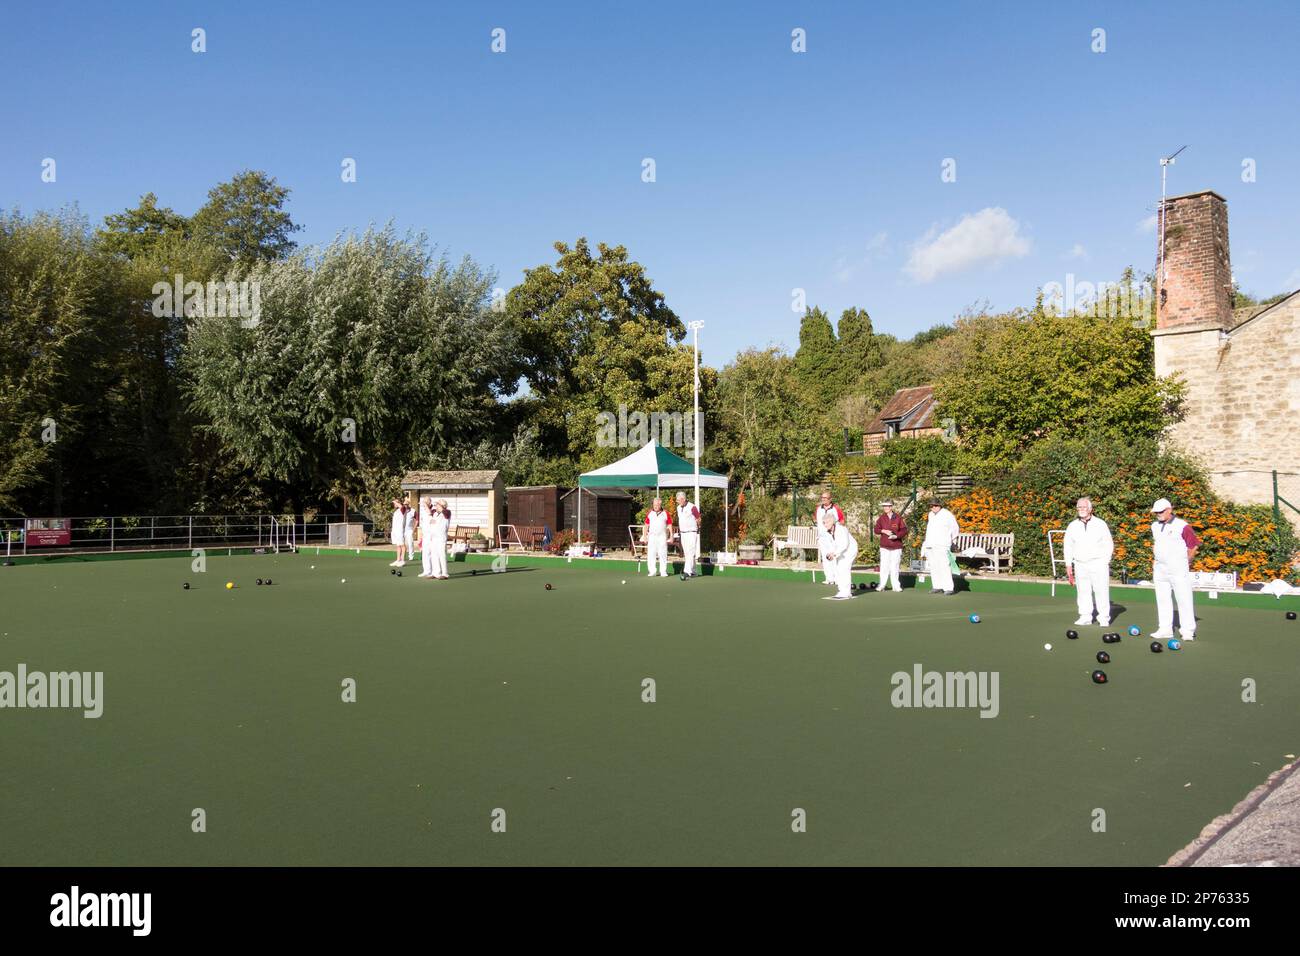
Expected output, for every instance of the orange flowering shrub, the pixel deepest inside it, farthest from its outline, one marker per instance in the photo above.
(1040, 495)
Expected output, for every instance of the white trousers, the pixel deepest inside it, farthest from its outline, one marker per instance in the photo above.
(690, 549)
(1092, 583)
(656, 553)
(1171, 586)
(890, 559)
(844, 574)
(828, 566)
(434, 557)
(936, 562)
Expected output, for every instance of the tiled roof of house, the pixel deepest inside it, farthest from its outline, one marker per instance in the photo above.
(449, 479)
(910, 407)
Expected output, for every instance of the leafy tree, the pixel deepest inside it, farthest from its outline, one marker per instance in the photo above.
(559, 312)
(1018, 378)
(58, 346)
(859, 350)
(368, 359)
(817, 362)
(632, 365)
(767, 432)
(136, 232)
(245, 219)
(906, 460)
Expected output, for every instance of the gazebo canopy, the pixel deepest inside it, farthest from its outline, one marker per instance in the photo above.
(651, 466)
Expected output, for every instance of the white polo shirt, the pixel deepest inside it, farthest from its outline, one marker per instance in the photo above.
(1088, 541)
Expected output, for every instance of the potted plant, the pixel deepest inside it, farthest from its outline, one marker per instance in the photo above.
(478, 542)
(749, 551)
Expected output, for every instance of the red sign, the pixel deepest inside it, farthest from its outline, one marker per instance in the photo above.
(39, 539)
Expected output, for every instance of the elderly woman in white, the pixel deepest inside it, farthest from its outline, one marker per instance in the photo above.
(435, 519)
(397, 536)
(841, 549)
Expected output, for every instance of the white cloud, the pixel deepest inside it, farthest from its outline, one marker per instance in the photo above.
(987, 236)
(1148, 224)
(877, 248)
(1077, 252)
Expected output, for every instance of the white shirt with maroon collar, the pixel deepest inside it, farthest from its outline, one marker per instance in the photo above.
(688, 518)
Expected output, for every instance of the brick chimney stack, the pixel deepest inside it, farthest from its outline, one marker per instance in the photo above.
(1197, 284)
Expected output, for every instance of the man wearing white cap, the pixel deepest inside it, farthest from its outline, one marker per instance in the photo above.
(1088, 549)
(940, 532)
(1174, 546)
(825, 539)
(842, 549)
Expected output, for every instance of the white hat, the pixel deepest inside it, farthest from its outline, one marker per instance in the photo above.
(1161, 505)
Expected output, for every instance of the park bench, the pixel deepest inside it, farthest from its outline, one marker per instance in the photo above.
(798, 540)
(992, 549)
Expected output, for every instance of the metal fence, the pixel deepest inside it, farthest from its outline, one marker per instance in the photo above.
(173, 532)
(1286, 498)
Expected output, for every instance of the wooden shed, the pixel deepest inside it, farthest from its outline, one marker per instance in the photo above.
(477, 499)
(606, 513)
(535, 506)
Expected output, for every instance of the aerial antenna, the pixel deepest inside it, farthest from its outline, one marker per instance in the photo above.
(1165, 163)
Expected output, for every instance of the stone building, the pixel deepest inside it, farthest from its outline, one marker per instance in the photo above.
(1241, 367)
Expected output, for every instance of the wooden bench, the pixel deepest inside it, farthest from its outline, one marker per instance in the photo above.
(798, 538)
(994, 549)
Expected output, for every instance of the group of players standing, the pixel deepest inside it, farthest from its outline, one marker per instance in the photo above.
(425, 531)
(1088, 552)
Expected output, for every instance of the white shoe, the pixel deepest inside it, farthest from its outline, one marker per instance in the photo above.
(1105, 623)
(1083, 621)
(392, 564)
(664, 575)
(1189, 635)
(1161, 635)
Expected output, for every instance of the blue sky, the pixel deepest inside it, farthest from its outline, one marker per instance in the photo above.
(775, 170)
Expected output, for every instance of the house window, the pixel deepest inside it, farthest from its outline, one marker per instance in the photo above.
(891, 430)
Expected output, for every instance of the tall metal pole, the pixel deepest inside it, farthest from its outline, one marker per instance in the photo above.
(1165, 163)
(698, 425)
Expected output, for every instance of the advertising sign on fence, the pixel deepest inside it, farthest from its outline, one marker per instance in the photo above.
(48, 532)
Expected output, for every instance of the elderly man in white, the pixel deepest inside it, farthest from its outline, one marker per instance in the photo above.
(1174, 545)
(824, 538)
(842, 549)
(940, 532)
(1088, 548)
(688, 532)
(658, 529)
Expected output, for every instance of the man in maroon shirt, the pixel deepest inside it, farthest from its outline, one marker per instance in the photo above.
(891, 529)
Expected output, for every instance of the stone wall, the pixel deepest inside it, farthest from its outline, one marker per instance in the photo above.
(1243, 399)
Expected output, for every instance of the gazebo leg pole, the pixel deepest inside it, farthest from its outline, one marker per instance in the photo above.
(726, 518)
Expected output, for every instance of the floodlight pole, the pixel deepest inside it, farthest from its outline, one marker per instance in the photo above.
(696, 426)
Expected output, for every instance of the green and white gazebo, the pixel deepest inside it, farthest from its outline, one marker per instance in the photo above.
(653, 466)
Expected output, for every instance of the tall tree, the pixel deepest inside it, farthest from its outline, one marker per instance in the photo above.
(859, 350)
(767, 432)
(559, 312)
(1017, 378)
(58, 352)
(136, 232)
(368, 359)
(245, 218)
(817, 360)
